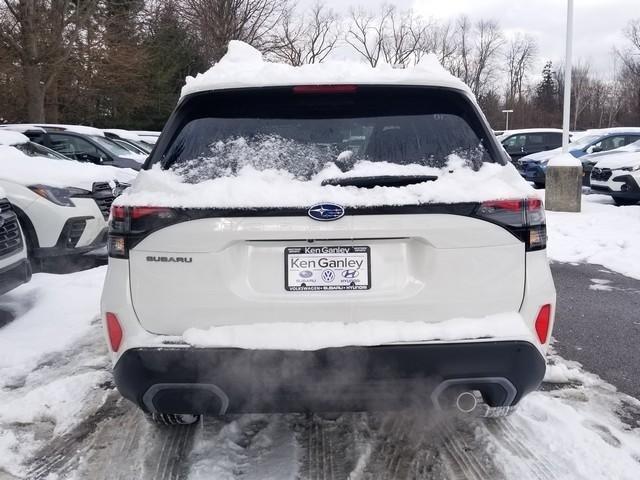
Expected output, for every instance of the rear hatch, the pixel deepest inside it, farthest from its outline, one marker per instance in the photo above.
(347, 242)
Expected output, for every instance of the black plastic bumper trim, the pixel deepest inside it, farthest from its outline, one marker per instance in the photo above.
(389, 377)
(14, 275)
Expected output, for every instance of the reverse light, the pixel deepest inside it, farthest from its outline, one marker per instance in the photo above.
(114, 330)
(543, 321)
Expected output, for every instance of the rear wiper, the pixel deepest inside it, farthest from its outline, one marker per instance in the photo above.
(379, 181)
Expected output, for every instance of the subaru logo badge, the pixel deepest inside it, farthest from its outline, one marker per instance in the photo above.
(326, 212)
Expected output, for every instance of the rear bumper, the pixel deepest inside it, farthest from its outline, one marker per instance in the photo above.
(14, 275)
(389, 377)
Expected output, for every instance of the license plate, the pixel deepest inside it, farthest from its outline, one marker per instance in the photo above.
(312, 268)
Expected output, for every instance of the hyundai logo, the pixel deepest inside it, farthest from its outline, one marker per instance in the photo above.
(350, 273)
(325, 212)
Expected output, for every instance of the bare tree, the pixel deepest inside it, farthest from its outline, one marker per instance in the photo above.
(442, 40)
(42, 35)
(365, 33)
(217, 22)
(403, 37)
(307, 39)
(520, 54)
(582, 90)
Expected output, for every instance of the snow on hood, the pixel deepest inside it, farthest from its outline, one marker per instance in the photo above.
(620, 160)
(26, 170)
(9, 137)
(253, 188)
(243, 66)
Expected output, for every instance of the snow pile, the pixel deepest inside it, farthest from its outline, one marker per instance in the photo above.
(317, 335)
(9, 137)
(27, 170)
(243, 66)
(601, 234)
(48, 321)
(252, 188)
(564, 160)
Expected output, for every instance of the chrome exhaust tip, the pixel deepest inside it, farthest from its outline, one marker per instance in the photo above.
(466, 402)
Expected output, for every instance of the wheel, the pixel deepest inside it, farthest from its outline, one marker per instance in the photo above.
(171, 419)
(539, 184)
(36, 263)
(620, 202)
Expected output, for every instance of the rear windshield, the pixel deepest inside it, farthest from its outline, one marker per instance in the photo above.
(217, 134)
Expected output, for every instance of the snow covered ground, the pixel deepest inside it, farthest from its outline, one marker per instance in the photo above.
(601, 234)
(61, 418)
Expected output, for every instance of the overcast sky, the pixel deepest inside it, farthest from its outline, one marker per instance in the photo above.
(599, 24)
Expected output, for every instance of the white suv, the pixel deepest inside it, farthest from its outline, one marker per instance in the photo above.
(618, 175)
(326, 238)
(14, 265)
(62, 205)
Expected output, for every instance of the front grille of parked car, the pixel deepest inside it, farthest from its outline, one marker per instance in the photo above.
(10, 238)
(601, 174)
(102, 194)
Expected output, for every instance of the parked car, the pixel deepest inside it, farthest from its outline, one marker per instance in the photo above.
(618, 175)
(129, 140)
(147, 136)
(589, 161)
(62, 205)
(85, 144)
(533, 167)
(520, 143)
(312, 248)
(14, 265)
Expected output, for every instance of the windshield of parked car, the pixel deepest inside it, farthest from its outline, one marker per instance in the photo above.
(111, 146)
(35, 150)
(585, 141)
(301, 133)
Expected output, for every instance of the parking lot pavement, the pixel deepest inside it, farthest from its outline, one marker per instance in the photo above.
(598, 322)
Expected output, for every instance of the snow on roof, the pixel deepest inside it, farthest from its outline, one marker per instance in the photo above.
(530, 130)
(243, 66)
(10, 137)
(81, 129)
(126, 134)
(23, 169)
(22, 128)
(146, 133)
(607, 131)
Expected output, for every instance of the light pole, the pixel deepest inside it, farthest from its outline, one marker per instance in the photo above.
(506, 127)
(563, 176)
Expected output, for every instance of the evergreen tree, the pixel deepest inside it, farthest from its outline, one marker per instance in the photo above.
(547, 90)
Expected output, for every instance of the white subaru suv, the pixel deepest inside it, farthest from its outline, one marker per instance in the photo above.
(618, 175)
(326, 238)
(62, 205)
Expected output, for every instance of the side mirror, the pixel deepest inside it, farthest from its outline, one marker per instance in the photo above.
(87, 157)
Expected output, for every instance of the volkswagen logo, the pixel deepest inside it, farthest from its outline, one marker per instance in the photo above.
(328, 276)
(325, 212)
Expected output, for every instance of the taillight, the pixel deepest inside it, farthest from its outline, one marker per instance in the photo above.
(114, 331)
(543, 320)
(129, 225)
(522, 217)
(324, 89)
